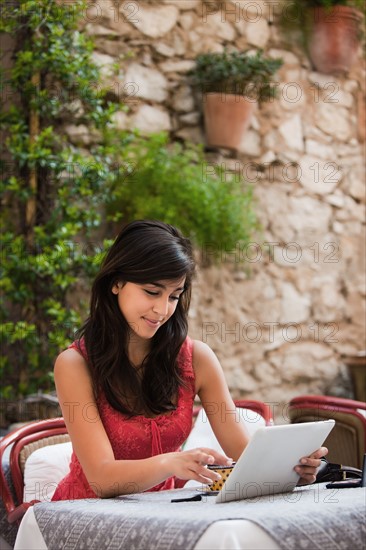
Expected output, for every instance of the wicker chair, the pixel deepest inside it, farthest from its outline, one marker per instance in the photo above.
(347, 441)
(24, 441)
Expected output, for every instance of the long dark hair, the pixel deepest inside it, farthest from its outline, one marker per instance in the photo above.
(145, 251)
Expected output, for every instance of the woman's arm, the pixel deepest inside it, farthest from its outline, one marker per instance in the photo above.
(108, 476)
(215, 397)
(212, 389)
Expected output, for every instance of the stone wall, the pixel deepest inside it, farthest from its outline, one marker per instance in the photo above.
(280, 323)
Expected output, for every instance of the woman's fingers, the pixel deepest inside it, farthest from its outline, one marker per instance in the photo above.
(308, 465)
(306, 479)
(207, 476)
(323, 451)
(218, 458)
(307, 473)
(313, 461)
(200, 458)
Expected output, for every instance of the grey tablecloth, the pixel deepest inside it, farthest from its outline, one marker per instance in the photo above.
(309, 518)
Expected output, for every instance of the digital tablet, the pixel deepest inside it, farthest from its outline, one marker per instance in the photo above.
(266, 465)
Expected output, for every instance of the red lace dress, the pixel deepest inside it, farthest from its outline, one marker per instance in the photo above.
(139, 437)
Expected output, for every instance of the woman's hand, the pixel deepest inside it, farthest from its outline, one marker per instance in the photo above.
(192, 464)
(309, 465)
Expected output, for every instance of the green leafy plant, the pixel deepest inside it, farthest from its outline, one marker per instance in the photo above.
(235, 72)
(358, 4)
(175, 183)
(52, 189)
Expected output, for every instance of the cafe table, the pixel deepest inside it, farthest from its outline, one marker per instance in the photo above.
(309, 517)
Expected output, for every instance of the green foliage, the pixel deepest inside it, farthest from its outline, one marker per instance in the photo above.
(54, 190)
(236, 72)
(45, 225)
(358, 4)
(176, 184)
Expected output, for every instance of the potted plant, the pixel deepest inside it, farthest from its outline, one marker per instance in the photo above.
(232, 84)
(332, 31)
(173, 182)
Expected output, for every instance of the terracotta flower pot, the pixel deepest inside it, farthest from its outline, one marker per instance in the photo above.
(227, 117)
(333, 41)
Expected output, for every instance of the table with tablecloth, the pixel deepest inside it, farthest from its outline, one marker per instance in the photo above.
(308, 518)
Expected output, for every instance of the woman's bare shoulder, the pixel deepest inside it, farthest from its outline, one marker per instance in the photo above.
(201, 352)
(70, 361)
(206, 365)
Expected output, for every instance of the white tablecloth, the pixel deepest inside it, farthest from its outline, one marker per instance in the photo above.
(222, 535)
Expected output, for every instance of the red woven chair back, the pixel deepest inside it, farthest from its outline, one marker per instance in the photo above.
(18, 439)
(347, 440)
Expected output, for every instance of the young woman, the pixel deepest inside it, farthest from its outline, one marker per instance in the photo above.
(126, 386)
